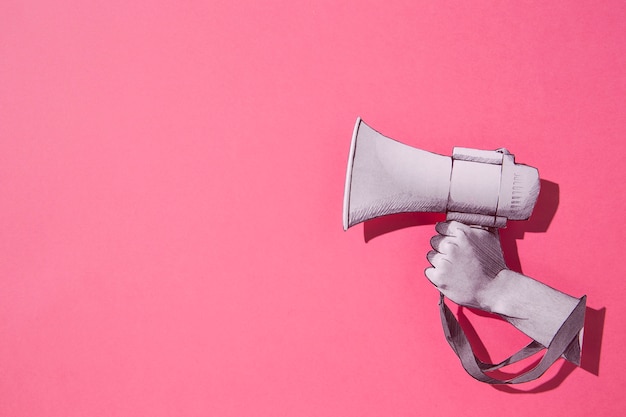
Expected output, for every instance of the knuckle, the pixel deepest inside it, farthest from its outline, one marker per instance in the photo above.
(442, 227)
(458, 227)
(430, 273)
(448, 247)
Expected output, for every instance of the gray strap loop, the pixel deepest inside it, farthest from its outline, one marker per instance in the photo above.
(561, 344)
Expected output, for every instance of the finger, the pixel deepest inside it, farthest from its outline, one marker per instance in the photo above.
(432, 275)
(435, 241)
(455, 228)
(438, 260)
(444, 244)
(431, 256)
(442, 228)
(435, 278)
(448, 246)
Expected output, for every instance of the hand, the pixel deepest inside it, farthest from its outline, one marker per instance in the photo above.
(469, 269)
(465, 262)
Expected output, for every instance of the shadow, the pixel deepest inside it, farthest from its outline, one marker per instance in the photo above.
(592, 340)
(566, 369)
(386, 224)
(539, 222)
(479, 348)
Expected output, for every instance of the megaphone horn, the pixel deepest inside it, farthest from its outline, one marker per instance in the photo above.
(473, 186)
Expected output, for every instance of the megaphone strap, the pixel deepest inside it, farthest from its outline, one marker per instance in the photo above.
(561, 344)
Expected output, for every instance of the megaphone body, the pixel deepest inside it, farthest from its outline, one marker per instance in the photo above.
(476, 187)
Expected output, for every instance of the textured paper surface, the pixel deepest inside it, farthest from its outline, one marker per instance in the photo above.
(479, 191)
(171, 174)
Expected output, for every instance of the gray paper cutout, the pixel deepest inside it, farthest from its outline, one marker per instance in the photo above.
(479, 191)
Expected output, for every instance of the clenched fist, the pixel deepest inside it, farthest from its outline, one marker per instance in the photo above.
(465, 260)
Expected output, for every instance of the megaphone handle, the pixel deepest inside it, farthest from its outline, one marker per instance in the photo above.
(562, 341)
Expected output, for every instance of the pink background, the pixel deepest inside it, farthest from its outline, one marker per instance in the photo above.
(172, 174)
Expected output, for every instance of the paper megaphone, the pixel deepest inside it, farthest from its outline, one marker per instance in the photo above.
(475, 187)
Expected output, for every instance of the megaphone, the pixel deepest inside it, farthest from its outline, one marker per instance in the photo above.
(476, 187)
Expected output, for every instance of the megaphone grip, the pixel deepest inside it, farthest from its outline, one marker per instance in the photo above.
(476, 219)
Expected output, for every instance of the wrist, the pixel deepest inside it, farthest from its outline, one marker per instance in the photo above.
(535, 309)
(498, 295)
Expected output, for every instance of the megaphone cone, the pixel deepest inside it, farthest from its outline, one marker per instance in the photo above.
(386, 177)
